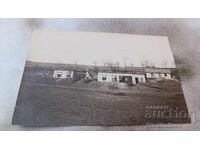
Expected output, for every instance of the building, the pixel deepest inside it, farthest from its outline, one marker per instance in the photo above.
(75, 75)
(127, 77)
(63, 74)
(131, 75)
(153, 73)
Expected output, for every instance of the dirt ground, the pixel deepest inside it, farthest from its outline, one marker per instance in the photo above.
(94, 103)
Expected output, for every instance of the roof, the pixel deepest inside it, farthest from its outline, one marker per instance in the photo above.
(138, 70)
(157, 70)
(128, 70)
(120, 71)
(124, 70)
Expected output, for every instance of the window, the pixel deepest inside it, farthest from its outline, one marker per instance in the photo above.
(152, 75)
(165, 74)
(58, 75)
(104, 78)
(141, 79)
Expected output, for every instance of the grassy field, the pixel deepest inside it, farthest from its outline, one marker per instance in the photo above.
(42, 102)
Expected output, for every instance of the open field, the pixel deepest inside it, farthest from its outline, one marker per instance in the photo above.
(46, 102)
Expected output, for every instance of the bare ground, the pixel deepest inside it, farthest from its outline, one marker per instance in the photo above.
(94, 103)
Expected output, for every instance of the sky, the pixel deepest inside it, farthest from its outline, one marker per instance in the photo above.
(98, 48)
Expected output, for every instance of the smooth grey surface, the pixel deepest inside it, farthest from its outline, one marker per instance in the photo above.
(184, 38)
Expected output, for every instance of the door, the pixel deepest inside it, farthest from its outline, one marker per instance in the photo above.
(136, 80)
(128, 80)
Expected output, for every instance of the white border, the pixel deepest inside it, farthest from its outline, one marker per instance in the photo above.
(99, 8)
(99, 140)
(103, 9)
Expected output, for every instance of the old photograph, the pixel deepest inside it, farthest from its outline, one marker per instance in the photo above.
(97, 78)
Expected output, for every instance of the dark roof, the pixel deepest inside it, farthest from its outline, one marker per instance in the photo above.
(157, 70)
(124, 69)
(121, 71)
(138, 70)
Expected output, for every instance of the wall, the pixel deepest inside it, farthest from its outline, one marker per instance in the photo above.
(111, 76)
(63, 73)
(158, 75)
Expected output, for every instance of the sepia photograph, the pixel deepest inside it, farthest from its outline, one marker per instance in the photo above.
(99, 75)
(97, 78)
(102, 74)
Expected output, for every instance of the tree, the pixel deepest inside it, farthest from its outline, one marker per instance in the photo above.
(75, 61)
(94, 62)
(117, 65)
(152, 64)
(95, 68)
(145, 63)
(103, 62)
(109, 64)
(125, 61)
(165, 63)
(132, 65)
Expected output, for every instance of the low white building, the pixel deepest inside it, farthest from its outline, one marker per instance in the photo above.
(153, 73)
(129, 78)
(63, 74)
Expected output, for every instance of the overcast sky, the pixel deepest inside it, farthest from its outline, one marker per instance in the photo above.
(89, 47)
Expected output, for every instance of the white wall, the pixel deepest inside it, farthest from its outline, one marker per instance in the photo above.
(162, 75)
(71, 74)
(168, 76)
(148, 75)
(110, 77)
(141, 78)
(158, 75)
(63, 73)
